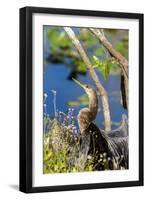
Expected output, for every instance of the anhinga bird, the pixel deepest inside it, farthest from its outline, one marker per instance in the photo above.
(116, 147)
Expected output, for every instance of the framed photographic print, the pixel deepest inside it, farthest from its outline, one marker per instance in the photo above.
(81, 99)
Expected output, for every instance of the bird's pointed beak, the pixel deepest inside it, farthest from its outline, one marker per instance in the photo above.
(78, 82)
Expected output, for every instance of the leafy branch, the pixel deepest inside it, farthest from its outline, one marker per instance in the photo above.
(114, 53)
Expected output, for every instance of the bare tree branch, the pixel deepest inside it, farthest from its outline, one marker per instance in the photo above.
(100, 88)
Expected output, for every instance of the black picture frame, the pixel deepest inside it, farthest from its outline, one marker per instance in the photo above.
(26, 99)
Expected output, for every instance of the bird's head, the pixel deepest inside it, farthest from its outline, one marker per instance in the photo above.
(88, 89)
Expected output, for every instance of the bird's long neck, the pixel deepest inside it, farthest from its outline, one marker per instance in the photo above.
(93, 103)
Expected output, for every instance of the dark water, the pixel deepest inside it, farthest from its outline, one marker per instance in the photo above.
(56, 78)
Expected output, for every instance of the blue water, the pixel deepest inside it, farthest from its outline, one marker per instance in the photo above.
(56, 78)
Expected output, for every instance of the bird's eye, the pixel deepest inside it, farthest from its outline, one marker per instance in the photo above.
(86, 86)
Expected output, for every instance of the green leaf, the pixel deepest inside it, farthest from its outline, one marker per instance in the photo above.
(104, 67)
(96, 62)
(108, 68)
(95, 58)
(103, 70)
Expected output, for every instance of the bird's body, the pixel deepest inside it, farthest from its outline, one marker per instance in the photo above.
(99, 142)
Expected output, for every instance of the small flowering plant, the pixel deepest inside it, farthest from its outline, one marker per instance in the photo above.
(61, 142)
